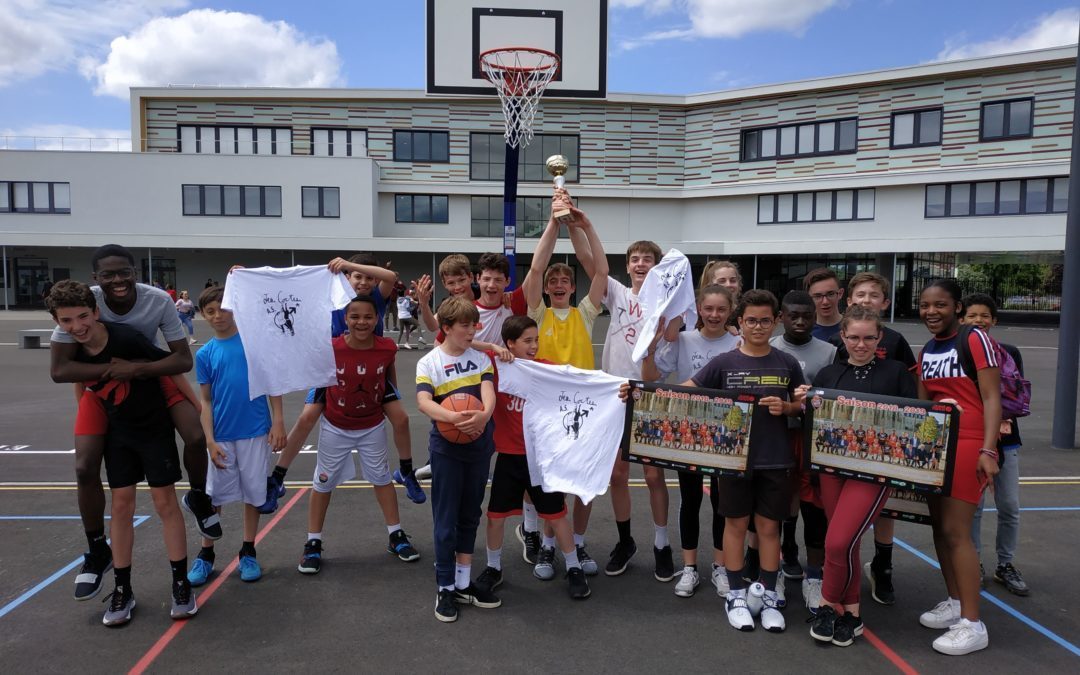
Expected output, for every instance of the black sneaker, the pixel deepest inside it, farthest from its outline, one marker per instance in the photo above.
(489, 579)
(823, 624)
(620, 557)
(579, 585)
(401, 547)
(311, 561)
(476, 596)
(445, 609)
(183, 604)
(881, 588)
(1012, 579)
(121, 602)
(91, 577)
(206, 518)
(665, 566)
(792, 569)
(846, 629)
(530, 543)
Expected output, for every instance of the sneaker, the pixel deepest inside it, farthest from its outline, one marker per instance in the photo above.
(665, 566)
(445, 609)
(206, 518)
(406, 345)
(249, 568)
(271, 503)
(401, 547)
(279, 485)
(792, 569)
(423, 473)
(620, 557)
(720, 580)
(183, 603)
(823, 624)
(579, 585)
(530, 544)
(1012, 579)
(781, 591)
(91, 576)
(489, 579)
(688, 582)
(121, 602)
(771, 618)
(200, 571)
(588, 565)
(848, 627)
(881, 588)
(942, 616)
(738, 613)
(477, 597)
(811, 593)
(412, 486)
(961, 639)
(544, 570)
(311, 561)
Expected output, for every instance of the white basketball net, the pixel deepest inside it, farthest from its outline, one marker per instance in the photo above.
(520, 75)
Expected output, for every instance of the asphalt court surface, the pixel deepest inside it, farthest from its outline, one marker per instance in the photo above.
(368, 611)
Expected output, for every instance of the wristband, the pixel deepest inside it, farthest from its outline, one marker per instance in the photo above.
(992, 454)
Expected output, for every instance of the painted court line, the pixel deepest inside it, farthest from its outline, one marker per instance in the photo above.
(151, 654)
(894, 658)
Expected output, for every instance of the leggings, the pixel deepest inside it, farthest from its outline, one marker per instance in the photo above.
(691, 491)
(852, 507)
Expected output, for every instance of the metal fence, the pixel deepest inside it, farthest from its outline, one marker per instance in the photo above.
(1009, 294)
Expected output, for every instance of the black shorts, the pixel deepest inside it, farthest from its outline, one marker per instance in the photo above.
(152, 456)
(510, 481)
(766, 492)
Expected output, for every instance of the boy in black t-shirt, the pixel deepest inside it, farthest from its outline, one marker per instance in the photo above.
(141, 444)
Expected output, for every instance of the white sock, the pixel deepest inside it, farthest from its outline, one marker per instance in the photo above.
(549, 542)
(314, 535)
(955, 604)
(446, 588)
(660, 539)
(571, 559)
(579, 540)
(461, 576)
(494, 558)
(528, 514)
(979, 626)
(390, 529)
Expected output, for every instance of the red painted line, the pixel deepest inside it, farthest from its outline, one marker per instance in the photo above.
(897, 660)
(155, 651)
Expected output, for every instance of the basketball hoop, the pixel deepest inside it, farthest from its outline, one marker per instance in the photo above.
(520, 76)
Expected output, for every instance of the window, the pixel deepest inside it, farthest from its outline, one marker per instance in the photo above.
(916, 129)
(421, 209)
(487, 157)
(532, 216)
(816, 206)
(998, 198)
(320, 202)
(1003, 120)
(36, 197)
(421, 146)
(800, 140)
(232, 200)
(228, 140)
(338, 142)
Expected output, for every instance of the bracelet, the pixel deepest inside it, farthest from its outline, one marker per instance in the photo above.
(992, 454)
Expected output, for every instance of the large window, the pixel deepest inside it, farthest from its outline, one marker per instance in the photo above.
(811, 139)
(916, 129)
(421, 146)
(232, 200)
(332, 142)
(228, 140)
(37, 197)
(1003, 120)
(320, 202)
(487, 157)
(825, 205)
(532, 216)
(421, 209)
(998, 198)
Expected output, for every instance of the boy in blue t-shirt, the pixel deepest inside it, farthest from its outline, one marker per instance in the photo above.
(240, 433)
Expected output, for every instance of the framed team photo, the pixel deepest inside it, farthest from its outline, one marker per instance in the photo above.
(907, 444)
(907, 505)
(687, 428)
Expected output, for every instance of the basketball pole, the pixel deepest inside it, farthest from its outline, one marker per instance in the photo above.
(510, 185)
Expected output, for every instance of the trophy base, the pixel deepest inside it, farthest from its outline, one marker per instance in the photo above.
(562, 216)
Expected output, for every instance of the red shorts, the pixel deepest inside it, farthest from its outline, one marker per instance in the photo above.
(91, 419)
(965, 479)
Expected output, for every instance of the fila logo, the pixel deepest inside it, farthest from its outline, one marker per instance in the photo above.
(460, 368)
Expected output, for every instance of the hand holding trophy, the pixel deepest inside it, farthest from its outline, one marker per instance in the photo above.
(557, 166)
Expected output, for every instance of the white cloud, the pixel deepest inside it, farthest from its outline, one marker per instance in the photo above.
(65, 137)
(206, 46)
(1049, 30)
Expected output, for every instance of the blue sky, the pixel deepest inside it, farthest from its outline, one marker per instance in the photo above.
(65, 66)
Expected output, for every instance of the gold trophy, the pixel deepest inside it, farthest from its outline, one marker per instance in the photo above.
(557, 166)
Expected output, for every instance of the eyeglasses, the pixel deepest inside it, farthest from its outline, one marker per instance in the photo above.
(122, 274)
(831, 295)
(751, 322)
(865, 339)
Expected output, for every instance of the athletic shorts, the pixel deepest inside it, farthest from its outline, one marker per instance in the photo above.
(244, 477)
(965, 480)
(335, 463)
(510, 481)
(91, 420)
(152, 457)
(318, 395)
(766, 492)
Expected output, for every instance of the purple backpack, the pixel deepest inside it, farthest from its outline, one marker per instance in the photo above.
(1015, 390)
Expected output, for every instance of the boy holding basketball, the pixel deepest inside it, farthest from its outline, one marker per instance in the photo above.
(460, 448)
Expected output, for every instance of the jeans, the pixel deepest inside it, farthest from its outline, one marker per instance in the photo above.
(185, 319)
(1007, 501)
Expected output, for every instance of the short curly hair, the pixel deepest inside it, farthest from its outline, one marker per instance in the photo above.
(69, 293)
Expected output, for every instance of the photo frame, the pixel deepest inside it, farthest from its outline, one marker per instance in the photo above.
(907, 505)
(704, 431)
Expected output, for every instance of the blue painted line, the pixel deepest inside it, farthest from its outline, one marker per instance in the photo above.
(14, 604)
(1031, 623)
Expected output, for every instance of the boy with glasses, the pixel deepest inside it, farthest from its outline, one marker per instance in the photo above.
(824, 288)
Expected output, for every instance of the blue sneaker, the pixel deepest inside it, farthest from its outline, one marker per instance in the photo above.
(200, 571)
(249, 568)
(270, 505)
(279, 483)
(412, 486)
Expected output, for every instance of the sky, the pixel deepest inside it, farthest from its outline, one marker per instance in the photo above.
(65, 66)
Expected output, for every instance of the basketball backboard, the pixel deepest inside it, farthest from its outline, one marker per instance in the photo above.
(458, 31)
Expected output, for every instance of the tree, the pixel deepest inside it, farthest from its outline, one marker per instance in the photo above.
(928, 430)
(734, 417)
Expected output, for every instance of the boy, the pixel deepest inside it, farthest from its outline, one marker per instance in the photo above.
(755, 367)
(456, 275)
(240, 433)
(459, 470)
(980, 310)
(140, 444)
(511, 477)
(824, 288)
(353, 420)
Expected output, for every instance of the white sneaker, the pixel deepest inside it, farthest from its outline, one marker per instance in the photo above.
(961, 639)
(755, 598)
(811, 592)
(423, 473)
(771, 618)
(781, 591)
(738, 614)
(720, 580)
(942, 616)
(688, 582)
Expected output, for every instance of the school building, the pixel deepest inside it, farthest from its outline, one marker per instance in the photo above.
(910, 171)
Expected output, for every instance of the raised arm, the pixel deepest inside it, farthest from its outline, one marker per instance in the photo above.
(387, 277)
(423, 299)
(599, 276)
(533, 286)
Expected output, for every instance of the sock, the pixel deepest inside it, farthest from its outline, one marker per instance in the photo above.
(571, 559)
(390, 529)
(689, 567)
(446, 588)
(735, 580)
(813, 572)
(579, 540)
(179, 569)
(768, 579)
(528, 515)
(207, 553)
(314, 535)
(280, 471)
(624, 530)
(660, 539)
(549, 542)
(247, 548)
(122, 576)
(96, 540)
(955, 604)
(979, 626)
(882, 556)
(494, 558)
(461, 576)
(406, 466)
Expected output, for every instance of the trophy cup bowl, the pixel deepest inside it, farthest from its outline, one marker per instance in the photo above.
(557, 166)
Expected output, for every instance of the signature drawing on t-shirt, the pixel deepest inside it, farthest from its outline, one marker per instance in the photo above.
(282, 308)
(671, 281)
(575, 409)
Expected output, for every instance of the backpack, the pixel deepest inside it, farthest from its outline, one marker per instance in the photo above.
(1015, 390)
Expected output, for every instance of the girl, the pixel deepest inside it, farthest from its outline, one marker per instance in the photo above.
(185, 309)
(724, 273)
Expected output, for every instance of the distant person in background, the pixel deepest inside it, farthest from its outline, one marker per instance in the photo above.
(824, 288)
(46, 289)
(171, 291)
(210, 283)
(407, 307)
(185, 309)
(391, 305)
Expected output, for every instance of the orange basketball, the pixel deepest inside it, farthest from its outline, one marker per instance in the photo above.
(458, 403)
